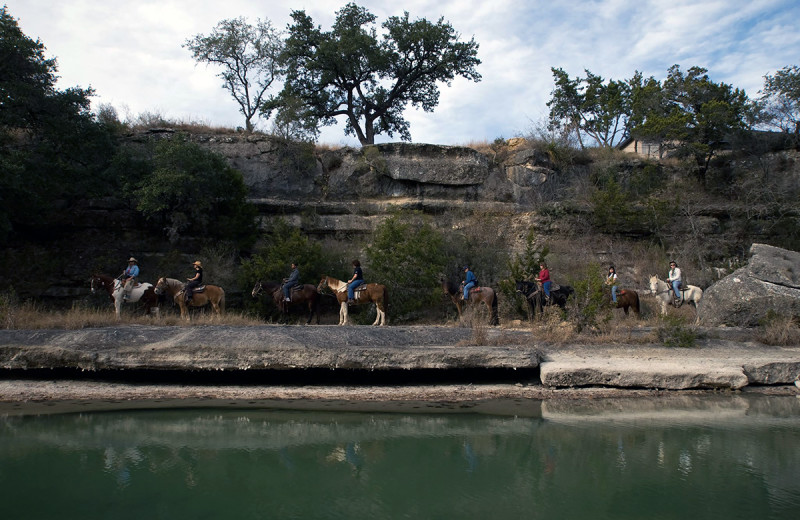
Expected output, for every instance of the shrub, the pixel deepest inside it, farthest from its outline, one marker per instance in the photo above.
(589, 307)
(192, 191)
(674, 332)
(776, 329)
(272, 261)
(406, 255)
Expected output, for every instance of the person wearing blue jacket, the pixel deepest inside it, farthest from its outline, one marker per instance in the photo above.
(129, 277)
(469, 282)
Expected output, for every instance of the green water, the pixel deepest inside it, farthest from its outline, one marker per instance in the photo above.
(725, 458)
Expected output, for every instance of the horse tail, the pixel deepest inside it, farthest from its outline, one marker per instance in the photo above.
(385, 299)
(221, 300)
(635, 304)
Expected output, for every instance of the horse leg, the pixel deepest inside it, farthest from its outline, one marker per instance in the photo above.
(380, 316)
(343, 313)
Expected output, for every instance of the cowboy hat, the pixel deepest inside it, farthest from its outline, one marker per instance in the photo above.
(132, 259)
(197, 263)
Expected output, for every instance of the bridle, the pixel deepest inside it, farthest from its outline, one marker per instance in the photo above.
(258, 288)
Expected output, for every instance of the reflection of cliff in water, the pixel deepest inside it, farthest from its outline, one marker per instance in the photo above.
(726, 457)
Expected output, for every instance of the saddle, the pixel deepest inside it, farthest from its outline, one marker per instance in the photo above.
(198, 289)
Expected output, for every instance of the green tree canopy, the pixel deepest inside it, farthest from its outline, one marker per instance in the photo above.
(351, 71)
(52, 151)
(248, 55)
(407, 255)
(191, 191)
(690, 113)
(590, 106)
(781, 98)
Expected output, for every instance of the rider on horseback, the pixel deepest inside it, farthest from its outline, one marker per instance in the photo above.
(674, 279)
(194, 281)
(128, 277)
(544, 279)
(355, 281)
(290, 282)
(470, 281)
(611, 280)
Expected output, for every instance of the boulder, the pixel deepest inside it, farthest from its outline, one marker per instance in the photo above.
(768, 284)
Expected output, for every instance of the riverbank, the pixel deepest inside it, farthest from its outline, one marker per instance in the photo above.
(123, 366)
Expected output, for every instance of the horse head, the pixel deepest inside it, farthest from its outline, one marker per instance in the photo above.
(94, 281)
(258, 288)
(323, 284)
(654, 283)
(161, 286)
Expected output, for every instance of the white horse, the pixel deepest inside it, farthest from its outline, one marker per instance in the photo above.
(664, 293)
(114, 288)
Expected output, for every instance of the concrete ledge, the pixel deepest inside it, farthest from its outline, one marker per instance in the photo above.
(662, 374)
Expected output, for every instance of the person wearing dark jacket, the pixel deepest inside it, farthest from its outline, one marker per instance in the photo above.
(290, 282)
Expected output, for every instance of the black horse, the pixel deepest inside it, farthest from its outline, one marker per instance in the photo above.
(534, 295)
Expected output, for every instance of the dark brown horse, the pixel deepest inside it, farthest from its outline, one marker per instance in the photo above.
(536, 298)
(366, 293)
(301, 295)
(477, 296)
(628, 298)
(143, 292)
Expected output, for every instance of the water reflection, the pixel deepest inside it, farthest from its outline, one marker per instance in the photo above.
(730, 457)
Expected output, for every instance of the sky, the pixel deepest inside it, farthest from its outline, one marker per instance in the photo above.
(130, 52)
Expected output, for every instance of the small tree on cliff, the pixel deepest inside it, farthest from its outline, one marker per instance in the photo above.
(248, 55)
(350, 71)
(191, 191)
(781, 97)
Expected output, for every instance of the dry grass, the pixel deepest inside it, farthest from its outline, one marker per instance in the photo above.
(29, 316)
(780, 331)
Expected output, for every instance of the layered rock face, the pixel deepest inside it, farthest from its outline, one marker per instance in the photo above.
(769, 283)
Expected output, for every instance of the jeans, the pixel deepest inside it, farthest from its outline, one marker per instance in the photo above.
(676, 286)
(614, 293)
(351, 288)
(546, 287)
(467, 287)
(287, 288)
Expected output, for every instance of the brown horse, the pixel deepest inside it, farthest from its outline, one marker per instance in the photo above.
(301, 294)
(628, 298)
(365, 293)
(477, 296)
(143, 292)
(202, 295)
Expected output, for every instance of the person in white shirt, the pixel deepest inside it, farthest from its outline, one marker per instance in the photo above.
(674, 278)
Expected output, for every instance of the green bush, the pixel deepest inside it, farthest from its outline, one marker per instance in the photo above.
(406, 255)
(590, 305)
(522, 267)
(191, 191)
(282, 245)
(674, 332)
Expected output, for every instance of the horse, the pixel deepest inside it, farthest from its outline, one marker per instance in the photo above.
(301, 294)
(477, 296)
(628, 298)
(203, 295)
(143, 292)
(536, 298)
(364, 293)
(664, 294)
